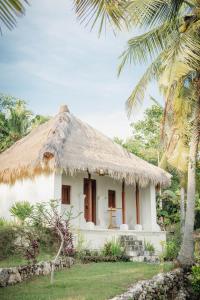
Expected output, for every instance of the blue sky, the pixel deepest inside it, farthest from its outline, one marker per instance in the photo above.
(50, 59)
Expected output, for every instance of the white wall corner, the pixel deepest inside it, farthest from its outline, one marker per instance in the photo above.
(154, 225)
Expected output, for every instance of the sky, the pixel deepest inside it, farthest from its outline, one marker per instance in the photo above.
(51, 59)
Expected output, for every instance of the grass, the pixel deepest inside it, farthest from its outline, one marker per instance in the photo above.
(14, 261)
(96, 281)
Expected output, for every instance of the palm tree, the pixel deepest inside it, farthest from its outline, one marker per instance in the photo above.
(15, 123)
(173, 45)
(9, 11)
(173, 40)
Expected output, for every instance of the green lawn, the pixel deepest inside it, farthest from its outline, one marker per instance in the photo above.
(13, 261)
(96, 281)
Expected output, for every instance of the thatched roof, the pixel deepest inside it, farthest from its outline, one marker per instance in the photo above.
(66, 143)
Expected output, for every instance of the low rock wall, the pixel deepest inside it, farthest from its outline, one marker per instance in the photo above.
(163, 286)
(10, 276)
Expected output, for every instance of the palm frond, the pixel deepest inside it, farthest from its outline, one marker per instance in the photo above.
(148, 13)
(9, 11)
(147, 46)
(111, 12)
(137, 96)
(190, 46)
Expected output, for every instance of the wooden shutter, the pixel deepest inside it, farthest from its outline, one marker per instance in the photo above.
(111, 199)
(66, 191)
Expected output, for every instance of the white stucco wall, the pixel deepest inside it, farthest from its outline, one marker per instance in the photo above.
(46, 187)
(33, 190)
(95, 239)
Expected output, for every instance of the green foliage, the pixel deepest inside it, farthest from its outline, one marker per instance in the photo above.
(8, 236)
(170, 211)
(145, 141)
(16, 120)
(27, 244)
(101, 258)
(21, 210)
(38, 120)
(112, 248)
(172, 246)
(195, 280)
(149, 247)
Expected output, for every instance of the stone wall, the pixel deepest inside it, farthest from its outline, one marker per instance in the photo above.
(171, 285)
(10, 276)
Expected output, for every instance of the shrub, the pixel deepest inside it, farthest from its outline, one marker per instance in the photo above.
(112, 248)
(8, 236)
(101, 258)
(172, 246)
(149, 247)
(195, 280)
(27, 244)
(171, 250)
(21, 210)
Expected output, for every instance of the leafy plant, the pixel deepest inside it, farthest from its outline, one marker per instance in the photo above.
(112, 248)
(51, 217)
(21, 210)
(28, 244)
(195, 280)
(8, 236)
(149, 247)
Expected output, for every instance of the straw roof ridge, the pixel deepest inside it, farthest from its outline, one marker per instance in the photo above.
(66, 143)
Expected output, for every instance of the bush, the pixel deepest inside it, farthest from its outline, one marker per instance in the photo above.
(195, 280)
(21, 210)
(8, 236)
(101, 258)
(112, 248)
(27, 244)
(171, 250)
(172, 246)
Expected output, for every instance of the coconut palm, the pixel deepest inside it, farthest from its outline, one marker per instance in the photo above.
(15, 123)
(173, 40)
(9, 11)
(173, 43)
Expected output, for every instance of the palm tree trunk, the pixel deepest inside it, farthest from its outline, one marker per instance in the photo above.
(186, 255)
(182, 208)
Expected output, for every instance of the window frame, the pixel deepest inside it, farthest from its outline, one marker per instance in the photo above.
(68, 194)
(113, 193)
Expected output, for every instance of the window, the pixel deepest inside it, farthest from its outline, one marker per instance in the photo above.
(111, 199)
(66, 191)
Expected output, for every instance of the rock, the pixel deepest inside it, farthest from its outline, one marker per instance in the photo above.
(46, 268)
(162, 286)
(4, 276)
(14, 276)
(10, 276)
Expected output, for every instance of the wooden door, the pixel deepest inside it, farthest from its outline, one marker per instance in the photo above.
(86, 191)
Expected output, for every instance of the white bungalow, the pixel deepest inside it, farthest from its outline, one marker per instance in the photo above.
(67, 159)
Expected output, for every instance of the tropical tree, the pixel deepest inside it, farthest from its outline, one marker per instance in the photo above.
(9, 11)
(172, 43)
(16, 120)
(145, 138)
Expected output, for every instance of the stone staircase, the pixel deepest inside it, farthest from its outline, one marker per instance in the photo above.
(135, 249)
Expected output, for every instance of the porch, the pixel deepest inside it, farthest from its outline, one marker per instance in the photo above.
(103, 203)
